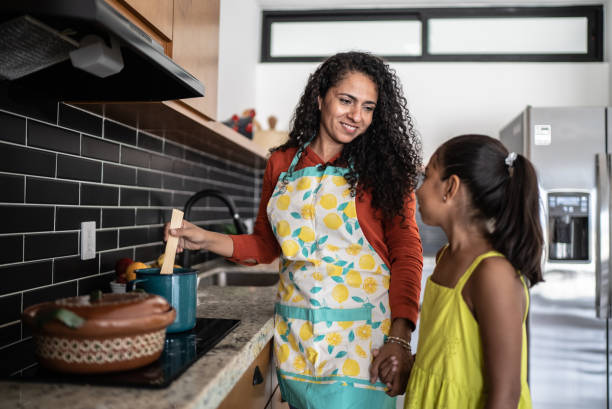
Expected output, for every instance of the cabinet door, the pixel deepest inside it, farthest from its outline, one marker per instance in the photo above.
(246, 395)
(158, 13)
(195, 47)
(277, 402)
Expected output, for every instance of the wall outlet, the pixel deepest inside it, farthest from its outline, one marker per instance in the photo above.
(88, 240)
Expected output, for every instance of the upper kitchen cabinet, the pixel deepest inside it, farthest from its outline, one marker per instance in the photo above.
(195, 47)
(188, 30)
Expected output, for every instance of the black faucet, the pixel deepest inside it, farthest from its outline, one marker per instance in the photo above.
(239, 224)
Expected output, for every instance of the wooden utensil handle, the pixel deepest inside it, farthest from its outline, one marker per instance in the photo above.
(176, 222)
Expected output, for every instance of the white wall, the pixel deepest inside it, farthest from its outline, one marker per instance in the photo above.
(447, 99)
(239, 44)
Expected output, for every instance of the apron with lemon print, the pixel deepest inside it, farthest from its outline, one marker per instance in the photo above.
(333, 305)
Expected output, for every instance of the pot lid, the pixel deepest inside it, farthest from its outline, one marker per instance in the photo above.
(110, 306)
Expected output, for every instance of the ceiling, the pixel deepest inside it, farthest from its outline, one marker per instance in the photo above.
(345, 4)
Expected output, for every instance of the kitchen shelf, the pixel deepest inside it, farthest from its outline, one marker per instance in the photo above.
(178, 122)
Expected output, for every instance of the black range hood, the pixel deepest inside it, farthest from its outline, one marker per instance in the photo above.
(42, 41)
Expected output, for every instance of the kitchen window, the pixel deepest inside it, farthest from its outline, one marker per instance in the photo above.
(437, 34)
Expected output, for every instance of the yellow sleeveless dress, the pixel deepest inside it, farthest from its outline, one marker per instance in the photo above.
(449, 369)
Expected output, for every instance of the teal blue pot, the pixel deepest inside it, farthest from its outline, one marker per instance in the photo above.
(179, 288)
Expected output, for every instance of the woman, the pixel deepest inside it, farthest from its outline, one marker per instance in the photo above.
(338, 207)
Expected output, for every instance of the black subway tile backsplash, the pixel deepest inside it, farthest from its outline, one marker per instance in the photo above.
(70, 167)
(134, 197)
(149, 216)
(119, 175)
(145, 178)
(160, 198)
(99, 195)
(51, 137)
(10, 308)
(149, 253)
(12, 249)
(149, 142)
(39, 246)
(19, 159)
(10, 333)
(133, 237)
(108, 259)
(20, 219)
(12, 128)
(71, 268)
(12, 188)
(161, 163)
(135, 157)
(118, 217)
(70, 218)
(49, 293)
(172, 182)
(12, 357)
(174, 150)
(79, 120)
(43, 191)
(88, 168)
(20, 277)
(100, 149)
(106, 240)
(119, 133)
(93, 283)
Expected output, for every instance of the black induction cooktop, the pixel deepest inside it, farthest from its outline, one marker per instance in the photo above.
(180, 351)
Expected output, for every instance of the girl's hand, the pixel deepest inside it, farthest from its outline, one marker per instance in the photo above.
(191, 237)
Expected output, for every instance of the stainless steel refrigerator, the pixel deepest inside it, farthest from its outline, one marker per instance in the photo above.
(569, 317)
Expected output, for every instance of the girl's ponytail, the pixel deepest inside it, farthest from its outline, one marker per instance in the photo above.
(517, 231)
(505, 195)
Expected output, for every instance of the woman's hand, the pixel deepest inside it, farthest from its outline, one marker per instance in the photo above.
(192, 237)
(392, 364)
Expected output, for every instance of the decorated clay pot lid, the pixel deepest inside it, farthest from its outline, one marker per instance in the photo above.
(114, 306)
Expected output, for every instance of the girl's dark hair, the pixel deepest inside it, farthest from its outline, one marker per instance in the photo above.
(385, 160)
(506, 197)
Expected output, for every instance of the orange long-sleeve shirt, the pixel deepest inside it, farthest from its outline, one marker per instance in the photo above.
(398, 246)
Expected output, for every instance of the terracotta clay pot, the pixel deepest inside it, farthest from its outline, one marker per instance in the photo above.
(119, 332)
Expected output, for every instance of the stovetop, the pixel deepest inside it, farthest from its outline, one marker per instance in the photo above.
(180, 351)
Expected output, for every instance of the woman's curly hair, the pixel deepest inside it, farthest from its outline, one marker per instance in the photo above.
(386, 159)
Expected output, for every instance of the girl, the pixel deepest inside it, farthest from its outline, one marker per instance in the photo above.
(337, 206)
(472, 350)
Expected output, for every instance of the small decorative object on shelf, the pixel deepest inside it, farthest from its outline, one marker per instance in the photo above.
(244, 124)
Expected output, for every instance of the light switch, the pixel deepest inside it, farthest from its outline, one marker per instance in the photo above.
(88, 240)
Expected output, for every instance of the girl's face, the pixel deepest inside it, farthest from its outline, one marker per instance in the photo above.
(347, 108)
(430, 194)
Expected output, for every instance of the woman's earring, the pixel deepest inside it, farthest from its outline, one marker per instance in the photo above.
(444, 198)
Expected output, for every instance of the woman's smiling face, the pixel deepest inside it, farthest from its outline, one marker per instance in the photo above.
(347, 108)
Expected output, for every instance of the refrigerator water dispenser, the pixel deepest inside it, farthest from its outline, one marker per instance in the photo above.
(568, 226)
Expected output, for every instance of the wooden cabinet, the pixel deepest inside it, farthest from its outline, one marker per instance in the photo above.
(159, 14)
(188, 30)
(195, 47)
(253, 390)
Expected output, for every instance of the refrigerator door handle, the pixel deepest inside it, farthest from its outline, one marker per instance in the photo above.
(602, 236)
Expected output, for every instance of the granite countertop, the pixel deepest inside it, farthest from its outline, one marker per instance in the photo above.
(204, 385)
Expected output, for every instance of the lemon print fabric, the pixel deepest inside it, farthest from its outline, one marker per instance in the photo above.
(340, 293)
(350, 367)
(306, 234)
(306, 331)
(282, 353)
(290, 248)
(332, 221)
(283, 202)
(283, 228)
(328, 201)
(304, 183)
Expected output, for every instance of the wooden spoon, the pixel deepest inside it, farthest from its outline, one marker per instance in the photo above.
(175, 223)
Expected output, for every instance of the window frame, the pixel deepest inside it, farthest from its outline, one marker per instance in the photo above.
(593, 13)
